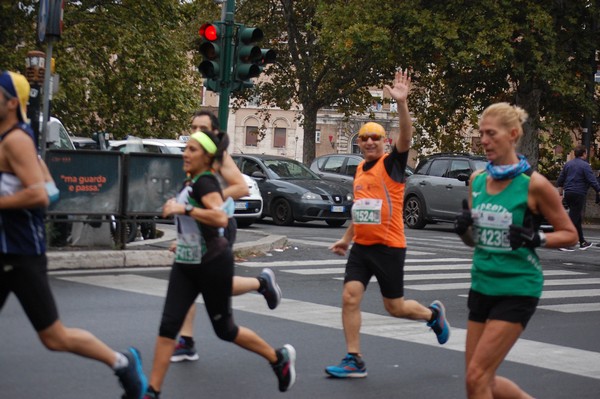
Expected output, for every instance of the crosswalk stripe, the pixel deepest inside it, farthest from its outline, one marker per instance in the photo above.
(547, 294)
(428, 276)
(326, 243)
(573, 307)
(342, 261)
(538, 354)
(569, 294)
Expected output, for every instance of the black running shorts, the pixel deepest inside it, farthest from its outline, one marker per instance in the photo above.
(514, 309)
(27, 277)
(383, 262)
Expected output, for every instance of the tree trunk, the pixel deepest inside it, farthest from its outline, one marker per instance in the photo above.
(529, 144)
(310, 127)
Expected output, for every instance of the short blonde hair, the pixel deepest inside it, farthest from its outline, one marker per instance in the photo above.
(509, 116)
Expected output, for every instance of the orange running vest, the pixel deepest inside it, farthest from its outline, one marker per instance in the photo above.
(377, 184)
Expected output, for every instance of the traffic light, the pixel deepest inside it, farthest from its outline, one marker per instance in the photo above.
(249, 57)
(211, 51)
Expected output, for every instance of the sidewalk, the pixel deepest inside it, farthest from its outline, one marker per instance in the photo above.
(154, 252)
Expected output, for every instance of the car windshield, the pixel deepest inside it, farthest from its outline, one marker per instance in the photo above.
(174, 150)
(289, 170)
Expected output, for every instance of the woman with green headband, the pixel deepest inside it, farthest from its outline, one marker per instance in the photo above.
(204, 264)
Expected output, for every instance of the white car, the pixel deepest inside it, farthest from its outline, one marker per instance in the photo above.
(155, 146)
(248, 209)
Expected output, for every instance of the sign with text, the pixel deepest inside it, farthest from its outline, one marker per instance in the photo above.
(89, 182)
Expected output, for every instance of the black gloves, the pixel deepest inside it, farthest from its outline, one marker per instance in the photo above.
(463, 219)
(525, 236)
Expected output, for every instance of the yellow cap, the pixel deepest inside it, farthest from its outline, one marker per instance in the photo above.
(371, 127)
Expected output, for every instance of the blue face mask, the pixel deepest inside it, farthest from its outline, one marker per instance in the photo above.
(506, 172)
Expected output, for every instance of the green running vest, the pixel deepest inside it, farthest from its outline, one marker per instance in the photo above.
(497, 269)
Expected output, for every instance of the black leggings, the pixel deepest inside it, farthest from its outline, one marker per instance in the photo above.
(213, 279)
(576, 202)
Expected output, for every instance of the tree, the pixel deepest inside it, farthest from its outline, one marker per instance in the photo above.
(125, 66)
(535, 54)
(328, 55)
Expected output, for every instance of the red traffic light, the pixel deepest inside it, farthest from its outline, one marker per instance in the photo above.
(209, 32)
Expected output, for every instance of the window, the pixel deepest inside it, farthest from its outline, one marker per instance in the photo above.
(459, 167)
(252, 136)
(248, 167)
(439, 167)
(317, 136)
(279, 137)
(334, 165)
(351, 166)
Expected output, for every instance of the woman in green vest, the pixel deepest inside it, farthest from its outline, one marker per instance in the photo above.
(501, 220)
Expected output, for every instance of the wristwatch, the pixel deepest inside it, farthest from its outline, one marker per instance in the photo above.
(188, 209)
(542, 238)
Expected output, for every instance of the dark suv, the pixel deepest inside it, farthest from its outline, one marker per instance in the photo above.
(434, 193)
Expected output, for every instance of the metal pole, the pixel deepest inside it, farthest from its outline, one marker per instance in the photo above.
(226, 62)
(46, 100)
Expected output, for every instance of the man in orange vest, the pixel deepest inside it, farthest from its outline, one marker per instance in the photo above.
(377, 230)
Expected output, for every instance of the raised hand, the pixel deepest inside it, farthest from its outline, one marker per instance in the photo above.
(399, 91)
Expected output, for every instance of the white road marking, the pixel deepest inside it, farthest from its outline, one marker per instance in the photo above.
(538, 354)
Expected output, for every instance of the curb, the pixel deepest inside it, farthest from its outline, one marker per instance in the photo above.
(73, 260)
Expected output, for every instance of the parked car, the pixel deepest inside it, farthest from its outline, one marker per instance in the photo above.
(57, 136)
(155, 146)
(248, 209)
(435, 192)
(292, 192)
(85, 143)
(340, 168)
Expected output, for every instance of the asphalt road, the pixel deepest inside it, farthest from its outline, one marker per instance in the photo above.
(557, 357)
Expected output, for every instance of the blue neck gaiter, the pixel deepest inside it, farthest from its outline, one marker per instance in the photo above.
(506, 172)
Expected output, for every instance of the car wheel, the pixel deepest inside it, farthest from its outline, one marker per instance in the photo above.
(148, 230)
(129, 230)
(335, 222)
(414, 213)
(281, 212)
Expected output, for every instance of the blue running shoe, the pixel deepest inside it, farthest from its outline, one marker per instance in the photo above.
(350, 367)
(440, 325)
(271, 291)
(184, 352)
(285, 368)
(132, 377)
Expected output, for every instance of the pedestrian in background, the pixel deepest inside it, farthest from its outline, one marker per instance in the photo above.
(234, 186)
(204, 264)
(23, 262)
(574, 181)
(377, 231)
(499, 220)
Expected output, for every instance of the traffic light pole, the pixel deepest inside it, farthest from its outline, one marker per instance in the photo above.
(226, 63)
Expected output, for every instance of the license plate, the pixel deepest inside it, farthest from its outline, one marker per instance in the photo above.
(337, 209)
(241, 205)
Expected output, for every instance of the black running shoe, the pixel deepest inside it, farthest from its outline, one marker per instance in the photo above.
(285, 369)
(271, 291)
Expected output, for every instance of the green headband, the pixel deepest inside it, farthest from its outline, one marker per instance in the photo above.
(205, 141)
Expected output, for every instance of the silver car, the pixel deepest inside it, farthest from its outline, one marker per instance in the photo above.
(434, 193)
